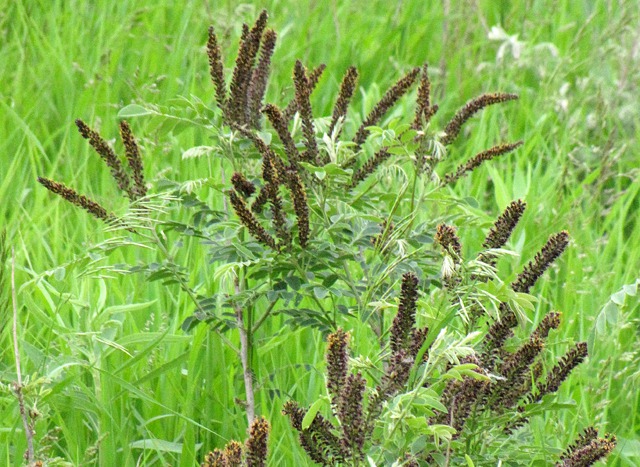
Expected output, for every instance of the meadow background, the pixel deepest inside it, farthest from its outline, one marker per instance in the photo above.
(118, 373)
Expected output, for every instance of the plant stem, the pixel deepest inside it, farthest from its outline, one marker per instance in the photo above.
(413, 191)
(266, 314)
(244, 358)
(17, 387)
(351, 285)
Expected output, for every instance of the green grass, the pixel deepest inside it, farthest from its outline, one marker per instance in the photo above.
(577, 76)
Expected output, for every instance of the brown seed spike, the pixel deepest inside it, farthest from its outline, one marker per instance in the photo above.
(133, 157)
(280, 125)
(256, 447)
(478, 159)
(388, 100)
(304, 107)
(260, 76)
(561, 371)
(554, 247)
(447, 238)
(264, 150)
(350, 413)
(279, 218)
(497, 335)
(588, 435)
(549, 322)
(400, 333)
(337, 355)
(521, 358)
(216, 68)
(430, 113)
(423, 104)
(109, 157)
(318, 440)
(262, 198)
(418, 336)
(216, 458)
(501, 230)
(452, 130)
(258, 29)
(250, 221)
(73, 197)
(312, 78)
(237, 107)
(597, 449)
(233, 452)
(242, 185)
(347, 87)
(300, 206)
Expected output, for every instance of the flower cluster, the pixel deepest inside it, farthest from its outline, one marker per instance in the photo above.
(252, 454)
(130, 183)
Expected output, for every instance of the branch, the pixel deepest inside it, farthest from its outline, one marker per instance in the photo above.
(244, 358)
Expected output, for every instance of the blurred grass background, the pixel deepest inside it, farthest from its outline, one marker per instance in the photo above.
(575, 64)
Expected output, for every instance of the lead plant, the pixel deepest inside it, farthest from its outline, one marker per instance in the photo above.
(293, 204)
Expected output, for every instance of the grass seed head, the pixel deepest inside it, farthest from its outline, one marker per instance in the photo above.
(132, 152)
(554, 247)
(216, 69)
(390, 98)
(73, 197)
(477, 160)
(452, 129)
(260, 77)
(504, 225)
(347, 88)
(109, 157)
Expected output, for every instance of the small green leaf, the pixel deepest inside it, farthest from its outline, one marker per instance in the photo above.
(472, 202)
(59, 273)
(293, 281)
(408, 136)
(335, 169)
(611, 312)
(619, 297)
(469, 461)
(400, 150)
(417, 423)
(189, 323)
(265, 136)
(311, 413)
(330, 280)
(133, 110)
(320, 292)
